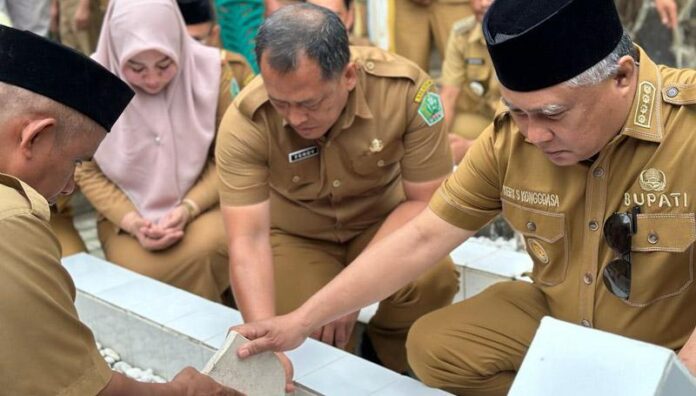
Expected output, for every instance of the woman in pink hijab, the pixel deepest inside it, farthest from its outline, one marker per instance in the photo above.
(153, 180)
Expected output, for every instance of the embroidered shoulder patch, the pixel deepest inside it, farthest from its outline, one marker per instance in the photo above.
(431, 109)
(424, 88)
(646, 100)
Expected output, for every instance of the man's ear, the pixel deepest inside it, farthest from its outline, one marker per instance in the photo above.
(36, 136)
(350, 75)
(626, 73)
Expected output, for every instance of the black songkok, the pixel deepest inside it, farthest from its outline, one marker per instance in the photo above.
(60, 73)
(195, 11)
(535, 44)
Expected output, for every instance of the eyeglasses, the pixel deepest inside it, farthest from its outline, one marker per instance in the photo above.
(618, 232)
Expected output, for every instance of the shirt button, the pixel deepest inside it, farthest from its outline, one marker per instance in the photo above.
(369, 65)
(157, 139)
(587, 278)
(672, 92)
(295, 179)
(586, 323)
(594, 226)
(380, 163)
(653, 238)
(531, 226)
(598, 172)
(336, 183)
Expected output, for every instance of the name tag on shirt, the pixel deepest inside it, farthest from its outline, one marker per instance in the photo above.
(303, 154)
(474, 61)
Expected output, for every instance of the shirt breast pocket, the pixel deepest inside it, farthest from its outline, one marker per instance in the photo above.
(545, 240)
(299, 180)
(376, 165)
(662, 253)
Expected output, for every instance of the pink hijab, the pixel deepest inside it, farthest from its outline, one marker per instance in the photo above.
(159, 146)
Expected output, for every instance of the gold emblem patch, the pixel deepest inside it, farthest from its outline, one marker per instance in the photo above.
(646, 99)
(424, 88)
(652, 180)
(537, 250)
(376, 145)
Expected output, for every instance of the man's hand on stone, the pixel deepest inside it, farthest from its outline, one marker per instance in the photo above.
(191, 382)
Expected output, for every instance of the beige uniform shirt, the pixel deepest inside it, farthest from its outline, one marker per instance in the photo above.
(468, 66)
(336, 187)
(561, 210)
(44, 348)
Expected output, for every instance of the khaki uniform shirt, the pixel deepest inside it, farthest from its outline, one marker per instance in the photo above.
(335, 187)
(44, 348)
(468, 66)
(561, 210)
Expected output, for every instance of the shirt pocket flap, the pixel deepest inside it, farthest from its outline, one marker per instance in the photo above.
(546, 226)
(664, 232)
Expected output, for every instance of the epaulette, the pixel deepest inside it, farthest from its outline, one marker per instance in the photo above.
(252, 97)
(27, 197)
(464, 26)
(383, 64)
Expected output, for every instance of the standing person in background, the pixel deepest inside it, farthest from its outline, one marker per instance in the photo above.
(345, 9)
(153, 180)
(34, 15)
(470, 91)
(201, 25)
(79, 23)
(52, 118)
(419, 23)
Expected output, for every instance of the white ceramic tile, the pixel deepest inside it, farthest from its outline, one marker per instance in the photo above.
(137, 292)
(172, 306)
(104, 276)
(205, 324)
(469, 251)
(409, 386)
(311, 356)
(80, 264)
(367, 313)
(349, 376)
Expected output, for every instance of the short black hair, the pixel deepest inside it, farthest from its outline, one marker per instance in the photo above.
(304, 28)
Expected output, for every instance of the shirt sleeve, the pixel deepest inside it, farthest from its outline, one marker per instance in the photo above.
(470, 197)
(241, 154)
(427, 154)
(44, 348)
(454, 65)
(106, 197)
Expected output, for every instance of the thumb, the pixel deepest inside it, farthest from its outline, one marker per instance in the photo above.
(254, 347)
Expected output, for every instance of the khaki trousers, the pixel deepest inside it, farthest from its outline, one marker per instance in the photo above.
(417, 26)
(84, 41)
(475, 347)
(303, 266)
(198, 263)
(62, 225)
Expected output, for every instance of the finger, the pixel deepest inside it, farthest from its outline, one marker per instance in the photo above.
(327, 334)
(316, 334)
(255, 347)
(342, 336)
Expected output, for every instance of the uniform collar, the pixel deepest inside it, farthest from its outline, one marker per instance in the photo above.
(477, 34)
(38, 204)
(645, 119)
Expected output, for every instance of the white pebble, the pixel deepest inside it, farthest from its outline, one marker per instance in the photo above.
(121, 367)
(111, 353)
(109, 360)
